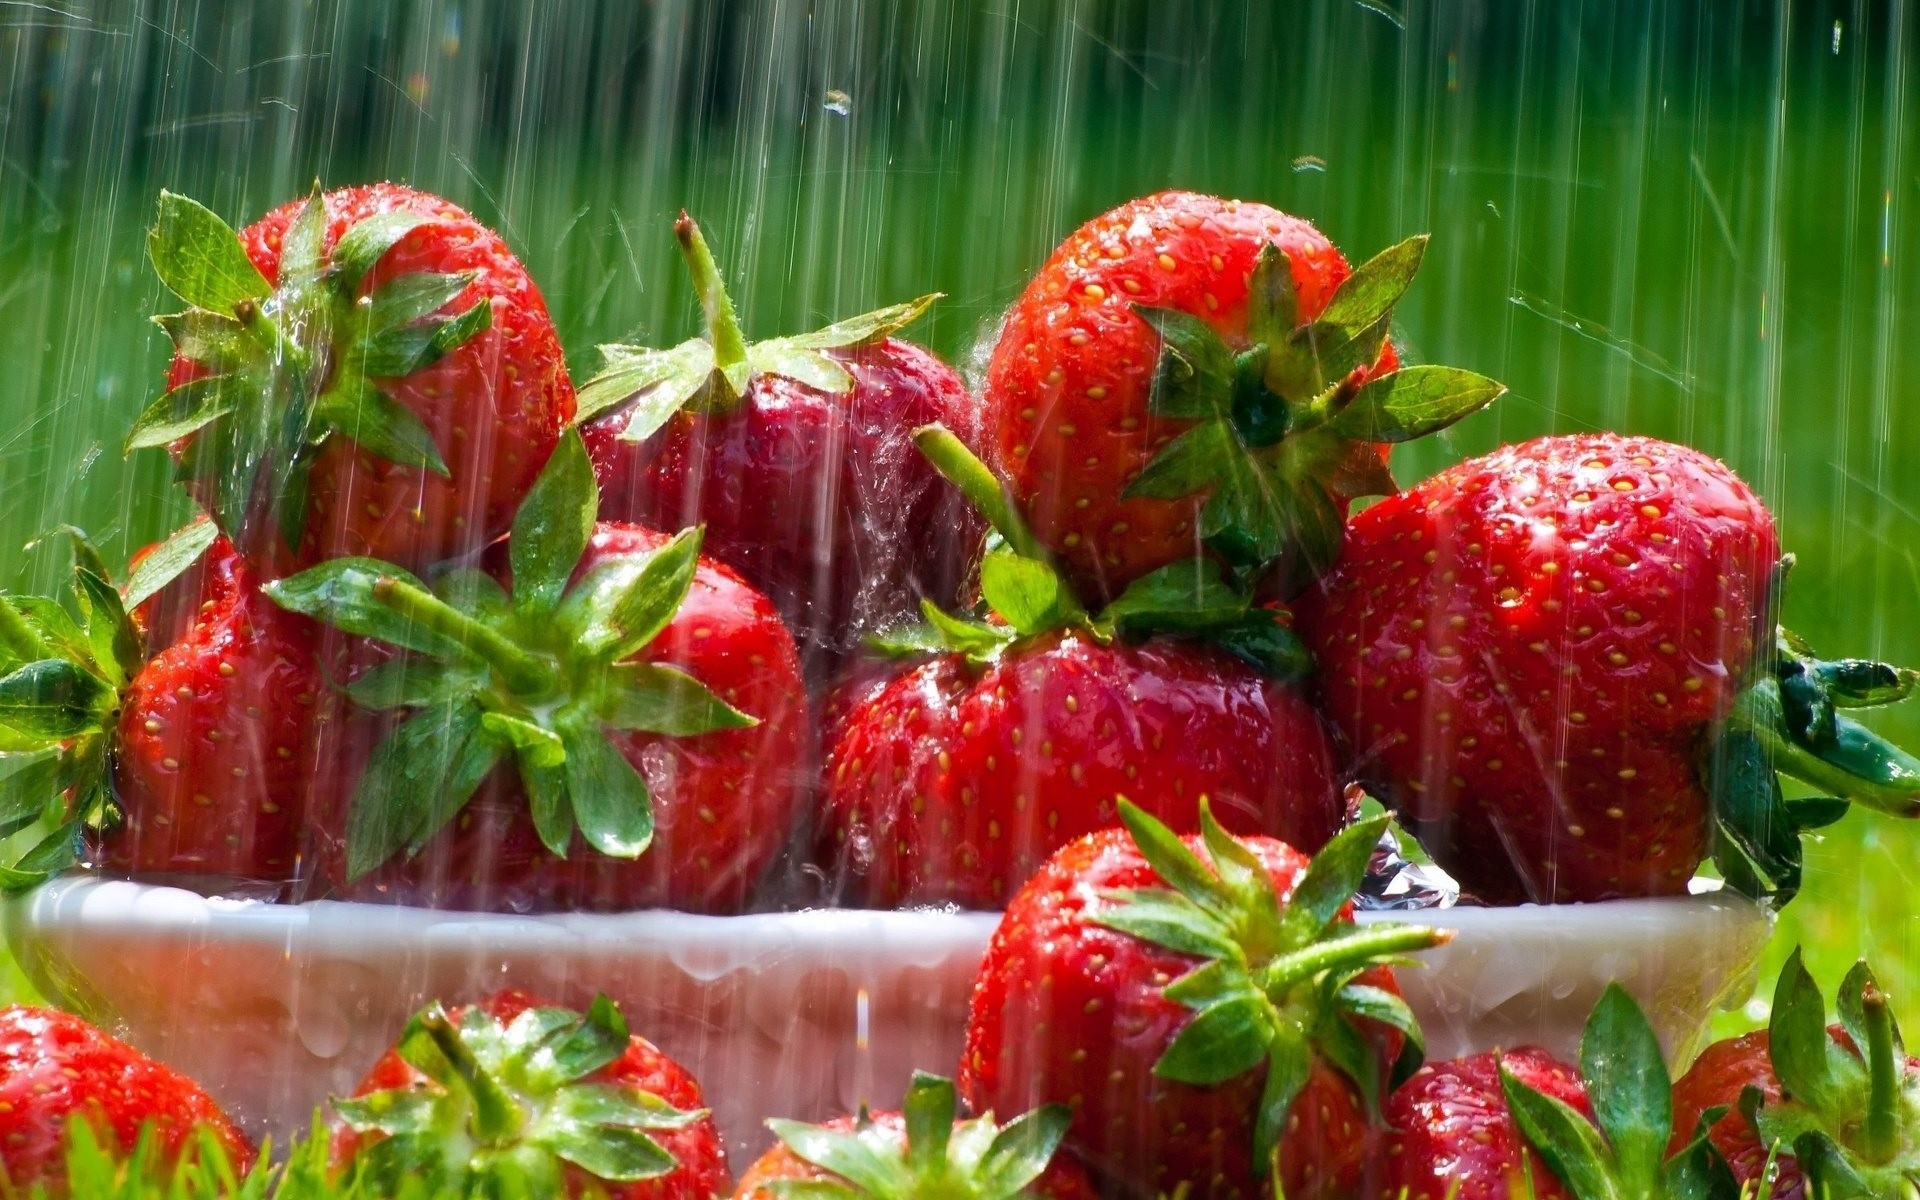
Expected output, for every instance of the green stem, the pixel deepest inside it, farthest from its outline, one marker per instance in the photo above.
(1880, 1135)
(18, 637)
(496, 1117)
(723, 327)
(525, 673)
(1379, 941)
(950, 456)
(1860, 765)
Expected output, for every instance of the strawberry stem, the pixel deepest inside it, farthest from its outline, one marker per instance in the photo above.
(723, 327)
(496, 1118)
(525, 673)
(950, 456)
(1376, 942)
(1880, 1134)
(18, 636)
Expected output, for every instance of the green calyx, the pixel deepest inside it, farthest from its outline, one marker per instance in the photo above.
(537, 676)
(1625, 1156)
(935, 1157)
(63, 666)
(1285, 431)
(1790, 720)
(287, 368)
(506, 1108)
(1020, 584)
(1849, 1112)
(711, 374)
(1279, 985)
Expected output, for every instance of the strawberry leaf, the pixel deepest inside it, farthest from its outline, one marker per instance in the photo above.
(168, 561)
(1628, 1086)
(552, 527)
(1227, 1038)
(659, 383)
(1021, 1151)
(662, 699)
(869, 1168)
(199, 257)
(53, 699)
(210, 340)
(620, 608)
(414, 782)
(928, 1114)
(302, 247)
(1570, 1146)
(1030, 594)
(367, 241)
(1413, 402)
(1194, 371)
(1273, 299)
(353, 594)
(611, 804)
(356, 408)
(1331, 879)
(861, 330)
(403, 350)
(410, 298)
(413, 682)
(1804, 1057)
(186, 409)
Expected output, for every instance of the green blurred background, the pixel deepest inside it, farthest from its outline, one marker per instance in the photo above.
(1670, 218)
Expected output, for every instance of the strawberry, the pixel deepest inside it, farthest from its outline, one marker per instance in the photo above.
(794, 453)
(954, 781)
(1205, 1007)
(1559, 658)
(649, 701)
(1811, 1108)
(213, 739)
(923, 1150)
(1189, 374)
(366, 372)
(55, 1067)
(1450, 1134)
(1520, 1125)
(511, 1097)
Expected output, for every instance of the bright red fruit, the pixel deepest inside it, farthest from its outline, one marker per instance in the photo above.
(1451, 1136)
(54, 1068)
(1133, 335)
(955, 781)
(1081, 1001)
(1531, 649)
(215, 738)
(478, 1076)
(974, 1159)
(423, 377)
(796, 456)
(1716, 1079)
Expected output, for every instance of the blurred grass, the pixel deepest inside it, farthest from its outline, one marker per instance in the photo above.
(1652, 217)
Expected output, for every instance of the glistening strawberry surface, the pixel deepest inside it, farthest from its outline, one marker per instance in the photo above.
(795, 453)
(56, 1068)
(1533, 649)
(511, 1097)
(393, 399)
(1173, 382)
(1195, 1030)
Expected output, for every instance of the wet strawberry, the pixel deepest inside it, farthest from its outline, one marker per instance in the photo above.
(1141, 979)
(369, 371)
(1450, 1135)
(611, 723)
(1176, 379)
(511, 1097)
(795, 454)
(56, 1068)
(1534, 651)
(925, 1149)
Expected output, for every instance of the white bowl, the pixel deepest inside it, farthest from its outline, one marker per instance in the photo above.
(275, 1007)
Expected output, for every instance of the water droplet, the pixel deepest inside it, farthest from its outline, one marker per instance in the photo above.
(1310, 162)
(837, 102)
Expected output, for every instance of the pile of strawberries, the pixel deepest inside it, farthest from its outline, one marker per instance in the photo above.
(747, 625)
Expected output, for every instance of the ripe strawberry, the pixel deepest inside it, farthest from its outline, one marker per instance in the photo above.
(1178, 378)
(923, 1150)
(794, 454)
(55, 1067)
(368, 371)
(214, 739)
(1559, 658)
(650, 702)
(510, 1097)
(1806, 1099)
(953, 782)
(1201, 1005)
(1450, 1135)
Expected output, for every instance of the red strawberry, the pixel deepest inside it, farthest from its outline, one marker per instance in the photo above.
(1451, 1136)
(214, 738)
(55, 1067)
(957, 779)
(923, 1150)
(510, 1097)
(619, 726)
(1155, 1012)
(369, 371)
(794, 454)
(1533, 648)
(1173, 380)
(1820, 1106)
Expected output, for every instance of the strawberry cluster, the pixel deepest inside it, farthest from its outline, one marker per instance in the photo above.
(805, 620)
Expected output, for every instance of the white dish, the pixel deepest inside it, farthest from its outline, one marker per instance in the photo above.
(274, 1007)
